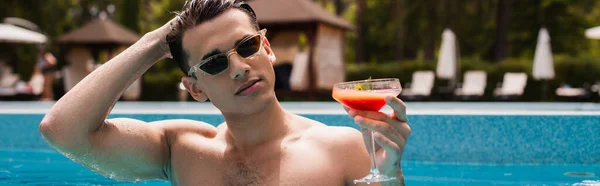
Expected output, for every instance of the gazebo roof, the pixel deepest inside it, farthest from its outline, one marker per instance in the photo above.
(295, 11)
(100, 31)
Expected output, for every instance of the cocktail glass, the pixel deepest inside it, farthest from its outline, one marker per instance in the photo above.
(368, 95)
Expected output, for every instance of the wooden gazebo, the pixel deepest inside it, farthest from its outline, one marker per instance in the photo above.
(84, 44)
(100, 34)
(320, 63)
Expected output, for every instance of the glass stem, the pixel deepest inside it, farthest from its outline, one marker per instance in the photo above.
(374, 169)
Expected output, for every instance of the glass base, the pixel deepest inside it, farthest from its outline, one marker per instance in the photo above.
(374, 178)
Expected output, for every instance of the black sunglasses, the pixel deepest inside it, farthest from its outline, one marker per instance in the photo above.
(218, 63)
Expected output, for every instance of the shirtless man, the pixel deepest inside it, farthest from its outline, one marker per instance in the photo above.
(258, 144)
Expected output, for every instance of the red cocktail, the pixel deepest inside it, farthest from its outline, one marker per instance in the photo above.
(362, 100)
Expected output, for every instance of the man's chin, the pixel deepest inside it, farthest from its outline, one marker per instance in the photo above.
(249, 104)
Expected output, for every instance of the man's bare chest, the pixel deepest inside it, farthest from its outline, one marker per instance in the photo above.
(291, 165)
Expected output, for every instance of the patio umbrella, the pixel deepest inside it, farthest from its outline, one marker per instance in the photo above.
(593, 33)
(543, 67)
(14, 34)
(448, 57)
(22, 23)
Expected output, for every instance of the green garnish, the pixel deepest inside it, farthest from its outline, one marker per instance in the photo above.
(366, 86)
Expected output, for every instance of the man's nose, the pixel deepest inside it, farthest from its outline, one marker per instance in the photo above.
(239, 67)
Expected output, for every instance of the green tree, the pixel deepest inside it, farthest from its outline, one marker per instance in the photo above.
(130, 14)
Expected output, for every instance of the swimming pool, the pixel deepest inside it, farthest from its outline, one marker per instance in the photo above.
(453, 144)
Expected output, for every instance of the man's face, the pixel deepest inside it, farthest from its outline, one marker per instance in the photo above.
(226, 89)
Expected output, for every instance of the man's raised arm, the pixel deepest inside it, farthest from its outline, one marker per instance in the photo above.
(121, 148)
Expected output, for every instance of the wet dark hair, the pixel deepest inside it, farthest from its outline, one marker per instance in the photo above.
(194, 13)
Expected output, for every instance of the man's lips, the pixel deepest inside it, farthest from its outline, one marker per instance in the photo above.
(246, 85)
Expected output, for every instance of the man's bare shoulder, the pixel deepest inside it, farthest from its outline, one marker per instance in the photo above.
(345, 147)
(177, 127)
(333, 136)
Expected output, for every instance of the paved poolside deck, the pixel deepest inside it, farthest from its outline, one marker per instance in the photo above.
(418, 108)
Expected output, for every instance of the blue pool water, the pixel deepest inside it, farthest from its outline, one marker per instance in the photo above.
(443, 150)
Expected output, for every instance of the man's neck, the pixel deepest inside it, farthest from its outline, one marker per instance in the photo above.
(252, 129)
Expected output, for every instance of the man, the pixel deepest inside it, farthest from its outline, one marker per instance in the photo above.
(258, 144)
(47, 65)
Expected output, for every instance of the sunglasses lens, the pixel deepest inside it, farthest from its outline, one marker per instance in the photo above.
(219, 63)
(215, 65)
(249, 47)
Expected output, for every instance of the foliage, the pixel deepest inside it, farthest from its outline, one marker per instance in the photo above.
(474, 23)
(161, 84)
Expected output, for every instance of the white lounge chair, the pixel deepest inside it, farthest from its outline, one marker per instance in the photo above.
(8, 81)
(420, 86)
(12, 86)
(473, 86)
(513, 86)
(568, 93)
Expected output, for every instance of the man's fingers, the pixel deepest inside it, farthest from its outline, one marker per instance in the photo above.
(369, 114)
(398, 106)
(381, 127)
(346, 108)
(401, 128)
(385, 143)
(404, 129)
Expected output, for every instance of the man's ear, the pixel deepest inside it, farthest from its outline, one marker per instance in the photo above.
(190, 85)
(270, 53)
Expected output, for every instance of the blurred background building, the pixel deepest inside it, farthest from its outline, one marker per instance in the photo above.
(441, 50)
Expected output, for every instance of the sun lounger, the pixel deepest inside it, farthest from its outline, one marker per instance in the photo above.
(474, 83)
(512, 87)
(420, 86)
